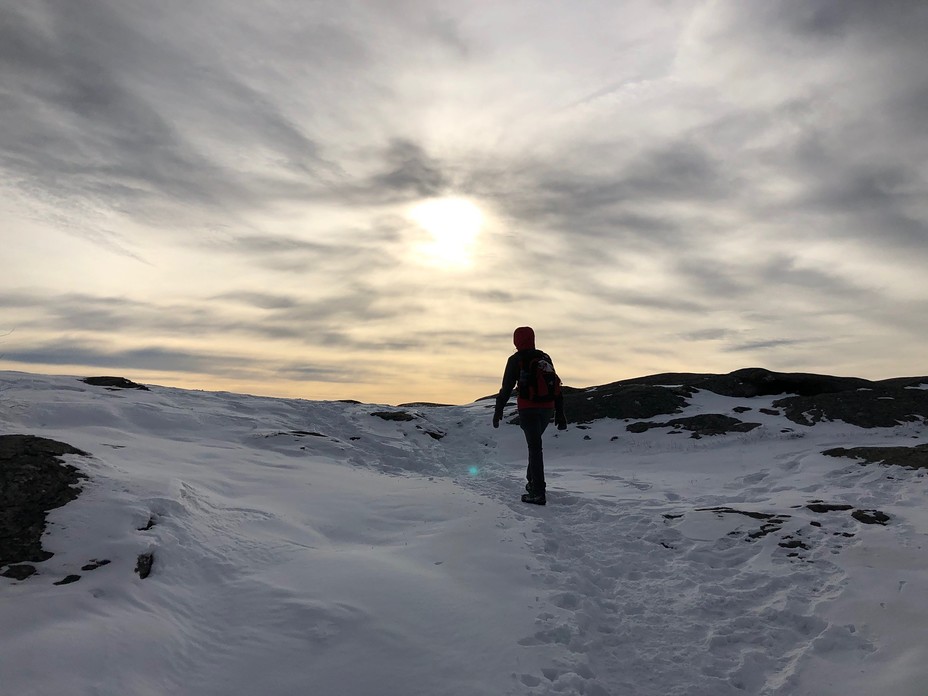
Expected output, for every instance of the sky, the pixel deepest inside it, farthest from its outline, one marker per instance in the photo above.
(362, 199)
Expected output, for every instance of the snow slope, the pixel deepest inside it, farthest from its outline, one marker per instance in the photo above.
(311, 548)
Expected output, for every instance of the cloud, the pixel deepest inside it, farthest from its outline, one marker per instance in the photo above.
(763, 345)
(590, 202)
(99, 106)
(160, 359)
(655, 175)
(412, 174)
(285, 318)
(825, 98)
(150, 358)
(714, 334)
(260, 300)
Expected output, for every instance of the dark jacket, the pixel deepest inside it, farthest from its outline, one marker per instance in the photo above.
(524, 340)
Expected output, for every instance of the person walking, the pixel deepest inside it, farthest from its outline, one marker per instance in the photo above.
(539, 398)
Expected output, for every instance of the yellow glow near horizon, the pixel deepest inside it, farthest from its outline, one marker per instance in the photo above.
(453, 224)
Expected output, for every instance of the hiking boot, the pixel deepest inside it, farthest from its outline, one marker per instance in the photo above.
(534, 498)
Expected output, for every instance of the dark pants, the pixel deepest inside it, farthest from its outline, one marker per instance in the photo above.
(533, 422)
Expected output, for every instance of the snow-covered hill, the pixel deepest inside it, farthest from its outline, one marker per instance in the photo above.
(308, 547)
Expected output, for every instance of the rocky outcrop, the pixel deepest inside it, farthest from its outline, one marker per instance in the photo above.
(620, 400)
(114, 383)
(912, 457)
(809, 399)
(33, 480)
(754, 381)
(144, 564)
(704, 424)
(394, 415)
(871, 407)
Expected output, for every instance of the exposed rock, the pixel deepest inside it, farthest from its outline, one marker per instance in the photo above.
(33, 480)
(19, 572)
(912, 457)
(622, 401)
(765, 530)
(114, 383)
(772, 522)
(705, 424)
(828, 507)
(394, 415)
(143, 564)
(296, 433)
(626, 399)
(434, 434)
(68, 580)
(423, 404)
(822, 396)
(879, 407)
(746, 513)
(870, 516)
(94, 564)
(756, 381)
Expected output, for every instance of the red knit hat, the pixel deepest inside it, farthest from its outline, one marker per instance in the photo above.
(523, 338)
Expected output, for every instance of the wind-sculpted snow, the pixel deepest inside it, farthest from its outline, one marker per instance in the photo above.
(350, 549)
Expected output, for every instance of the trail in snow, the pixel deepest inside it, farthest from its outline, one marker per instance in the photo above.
(650, 591)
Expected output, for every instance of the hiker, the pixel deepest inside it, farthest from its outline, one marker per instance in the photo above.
(539, 398)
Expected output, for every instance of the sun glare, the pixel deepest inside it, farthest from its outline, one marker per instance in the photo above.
(453, 225)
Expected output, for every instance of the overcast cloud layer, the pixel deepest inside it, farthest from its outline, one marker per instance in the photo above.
(202, 194)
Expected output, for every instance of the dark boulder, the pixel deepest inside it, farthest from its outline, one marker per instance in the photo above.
(813, 398)
(33, 480)
(876, 407)
(704, 424)
(821, 508)
(622, 401)
(912, 457)
(144, 564)
(870, 516)
(114, 383)
(394, 415)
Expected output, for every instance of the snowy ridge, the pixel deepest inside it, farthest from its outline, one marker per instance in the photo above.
(311, 547)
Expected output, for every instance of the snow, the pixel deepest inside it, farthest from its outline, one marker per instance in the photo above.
(372, 558)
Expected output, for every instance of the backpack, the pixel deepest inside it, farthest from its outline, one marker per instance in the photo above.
(538, 381)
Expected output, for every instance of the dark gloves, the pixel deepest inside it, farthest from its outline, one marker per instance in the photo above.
(496, 419)
(560, 421)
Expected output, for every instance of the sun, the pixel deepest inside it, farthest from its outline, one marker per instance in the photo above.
(453, 225)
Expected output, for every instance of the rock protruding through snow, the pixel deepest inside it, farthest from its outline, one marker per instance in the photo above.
(33, 480)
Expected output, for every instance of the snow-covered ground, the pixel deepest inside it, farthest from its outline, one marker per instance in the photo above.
(309, 547)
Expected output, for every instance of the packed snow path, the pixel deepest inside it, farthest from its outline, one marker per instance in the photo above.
(310, 547)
